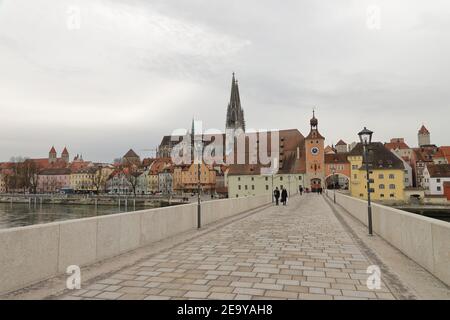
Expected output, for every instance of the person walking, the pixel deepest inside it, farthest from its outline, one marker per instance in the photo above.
(284, 196)
(301, 190)
(276, 194)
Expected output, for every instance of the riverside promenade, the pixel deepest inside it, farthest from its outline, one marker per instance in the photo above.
(301, 251)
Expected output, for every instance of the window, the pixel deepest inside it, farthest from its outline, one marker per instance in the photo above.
(239, 178)
(381, 176)
(299, 177)
(438, 180)
(392, 195)
(281, 178)
(239, 187)
(253, 187)
(354, 167)
(355, 176)
(438, 188)
(392, 186)
(361, 195)
(391, 176)
(381, 195)
(267, 187)
(253, 179)
(381, 186)
(267, 178)
(246, 187)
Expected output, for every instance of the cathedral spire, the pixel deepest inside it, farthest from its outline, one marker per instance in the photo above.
(235, 114)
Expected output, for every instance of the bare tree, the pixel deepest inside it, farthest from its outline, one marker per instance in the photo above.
(131, 173)
(99, 179)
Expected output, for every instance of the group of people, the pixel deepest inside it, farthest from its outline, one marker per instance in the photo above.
(283, 194)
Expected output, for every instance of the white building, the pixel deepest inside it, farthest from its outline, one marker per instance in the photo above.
(408, 170)
(434, 177)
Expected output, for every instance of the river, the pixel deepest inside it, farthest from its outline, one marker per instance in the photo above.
(18, 215)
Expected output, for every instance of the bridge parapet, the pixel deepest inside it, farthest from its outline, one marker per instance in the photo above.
(34, 253)
(424, 240)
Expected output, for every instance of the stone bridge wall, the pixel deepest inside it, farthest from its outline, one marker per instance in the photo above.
(34, 253)
(425, 240)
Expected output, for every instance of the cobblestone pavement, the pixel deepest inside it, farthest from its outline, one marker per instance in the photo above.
(300, 251)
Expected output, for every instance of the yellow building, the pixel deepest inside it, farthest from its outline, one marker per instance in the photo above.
(189, 177)
(83, 179)
(385, 169)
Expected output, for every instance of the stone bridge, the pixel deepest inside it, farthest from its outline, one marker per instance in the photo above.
(309, 249)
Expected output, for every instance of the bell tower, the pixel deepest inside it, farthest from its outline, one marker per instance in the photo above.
(315, 156)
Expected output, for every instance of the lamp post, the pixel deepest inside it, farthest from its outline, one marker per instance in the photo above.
(333, 171)
(198, 157)
(365, 136)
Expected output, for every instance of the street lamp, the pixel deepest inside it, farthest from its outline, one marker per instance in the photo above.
(198, 145)
(333, 172)
(365, 136)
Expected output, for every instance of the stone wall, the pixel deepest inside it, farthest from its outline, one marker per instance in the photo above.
(425, 240)
(34, 253)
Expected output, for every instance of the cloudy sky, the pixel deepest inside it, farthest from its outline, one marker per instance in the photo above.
(101, 76)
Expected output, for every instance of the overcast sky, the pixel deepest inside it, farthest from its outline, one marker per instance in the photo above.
(101, 76)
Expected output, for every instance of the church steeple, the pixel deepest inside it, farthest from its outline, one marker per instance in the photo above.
(235, 114)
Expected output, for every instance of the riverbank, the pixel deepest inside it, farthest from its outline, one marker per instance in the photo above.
(439, 212)
(147, 202)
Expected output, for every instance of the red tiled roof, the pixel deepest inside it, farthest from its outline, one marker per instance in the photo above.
(52, 150)
(439, 170)
(336, 158)
(341, 143)
(65, 151)
(423, 130)
(396, 144)
(443, 152)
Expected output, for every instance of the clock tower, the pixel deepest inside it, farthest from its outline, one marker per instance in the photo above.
(315, 158)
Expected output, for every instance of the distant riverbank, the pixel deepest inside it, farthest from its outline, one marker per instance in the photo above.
(101, 200)
(435, 212)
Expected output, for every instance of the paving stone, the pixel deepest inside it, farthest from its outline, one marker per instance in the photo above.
(196, 294)
(221, 296)
(276, 253)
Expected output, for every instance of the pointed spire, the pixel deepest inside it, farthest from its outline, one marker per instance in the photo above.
(235, 115)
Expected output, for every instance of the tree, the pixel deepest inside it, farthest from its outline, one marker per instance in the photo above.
(99, 179)
(131, 174)
(28, 171)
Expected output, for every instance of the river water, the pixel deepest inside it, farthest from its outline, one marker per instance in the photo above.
(18, 215)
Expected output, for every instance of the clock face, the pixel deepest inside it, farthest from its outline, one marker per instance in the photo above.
(314, 150)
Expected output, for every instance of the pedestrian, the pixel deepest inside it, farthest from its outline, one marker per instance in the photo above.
(283, 196)
(301, 190)
(276, 194)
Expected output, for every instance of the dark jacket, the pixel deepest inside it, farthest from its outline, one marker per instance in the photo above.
(276, 193)
(283, 195)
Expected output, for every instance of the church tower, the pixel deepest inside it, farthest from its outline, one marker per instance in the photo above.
(235, 114)
(65, 155)
(52, 155)
(423, 136)
(315, 157)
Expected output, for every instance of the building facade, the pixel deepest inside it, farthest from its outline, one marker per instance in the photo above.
(386, 170)
(53, 180)
(435, 176)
